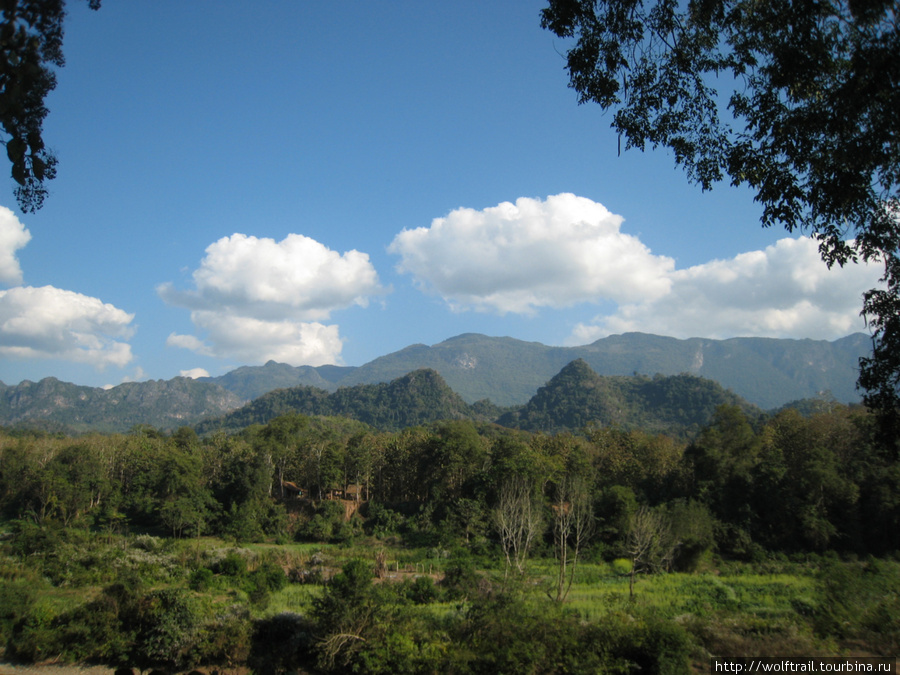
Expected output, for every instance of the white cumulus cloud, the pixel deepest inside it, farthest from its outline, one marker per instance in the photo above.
(257, 299)
(194, 373)
(13, 236)
(516, 258)
(48, 322)
(783, 291)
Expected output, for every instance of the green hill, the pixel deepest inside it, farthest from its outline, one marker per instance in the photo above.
(577, 396)
(416, 398)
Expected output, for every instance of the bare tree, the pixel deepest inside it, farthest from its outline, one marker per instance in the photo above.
(650, 543)
(573, 525)
(517, 519)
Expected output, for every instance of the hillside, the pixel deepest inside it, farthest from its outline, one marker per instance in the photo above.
(416, 398)
(576, 396)
(678, 405)
(165, 404)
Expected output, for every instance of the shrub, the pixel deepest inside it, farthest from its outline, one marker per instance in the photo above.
(420, 590)
(460, 580)
(382, 521)
(860, 601)
(201, 579)
(647, 645)
(34, 636)
(17, 596)
(166, 630)
(621, 566)
(327, 524)
(232, 565)
(226, 639)
(269, 575)
(282, 643)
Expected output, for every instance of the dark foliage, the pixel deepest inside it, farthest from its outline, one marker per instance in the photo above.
(31, 37)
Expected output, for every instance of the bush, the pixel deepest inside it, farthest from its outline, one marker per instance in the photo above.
(269, 575)
(647, 645)
(460, 580)
(262, 581)
(34, 637)
(166, 630)
(694, 527)
(328, 524)
(282, 643)
(382, 521)
(226, 639)
(232, 565)
(201, 579)
(420, 590)
(621, 566)
(17, 596)
(860, 601)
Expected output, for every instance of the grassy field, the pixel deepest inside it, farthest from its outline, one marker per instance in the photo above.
(734, 610)
(783, 608)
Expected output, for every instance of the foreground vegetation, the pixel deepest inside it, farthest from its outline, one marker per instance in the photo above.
(455, 548)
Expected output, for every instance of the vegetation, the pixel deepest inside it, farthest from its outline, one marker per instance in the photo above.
(450, 547)
(30, 49)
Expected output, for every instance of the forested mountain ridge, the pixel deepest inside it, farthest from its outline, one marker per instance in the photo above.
(678, 405)
(419, 397)
(767, 372)
(577, 396)
(165, 404)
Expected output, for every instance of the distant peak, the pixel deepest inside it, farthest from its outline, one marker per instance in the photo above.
(577, 365)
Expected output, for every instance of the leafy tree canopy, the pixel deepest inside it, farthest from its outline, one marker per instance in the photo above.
(809, 119)
(31, 36)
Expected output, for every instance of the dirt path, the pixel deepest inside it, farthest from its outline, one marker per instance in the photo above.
(51, 669)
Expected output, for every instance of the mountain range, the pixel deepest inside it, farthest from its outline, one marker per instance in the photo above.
(767, 373)
(678, 405)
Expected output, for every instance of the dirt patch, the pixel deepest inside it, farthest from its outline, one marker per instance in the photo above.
(53, 669)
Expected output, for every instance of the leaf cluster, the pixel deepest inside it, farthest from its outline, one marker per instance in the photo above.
(31, 37)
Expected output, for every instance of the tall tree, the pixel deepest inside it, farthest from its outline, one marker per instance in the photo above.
(813, 97)
(650, 543)
(517, 519)
(573, 525)
(31, 37)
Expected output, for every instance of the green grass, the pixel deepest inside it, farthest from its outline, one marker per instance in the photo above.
(760, 609)
(294, 598)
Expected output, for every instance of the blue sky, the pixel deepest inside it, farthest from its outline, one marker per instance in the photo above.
(330, 182)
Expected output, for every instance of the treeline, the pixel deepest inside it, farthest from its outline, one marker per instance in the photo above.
(788, 484)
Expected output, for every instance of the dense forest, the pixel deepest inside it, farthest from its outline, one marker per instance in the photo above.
(154, 550)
